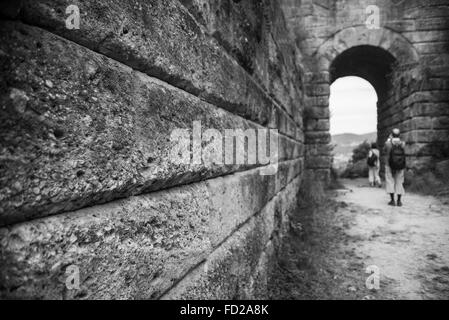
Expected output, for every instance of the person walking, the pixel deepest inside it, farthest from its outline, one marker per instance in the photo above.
(395, 164)
(373, 162)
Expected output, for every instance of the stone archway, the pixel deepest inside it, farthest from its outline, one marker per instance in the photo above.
(384, 58)
(394, 43)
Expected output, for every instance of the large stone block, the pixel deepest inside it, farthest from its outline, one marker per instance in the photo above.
(435, 84)
(322, 175)
(227, 271)
(318, 112)
(79, 128)
(318, 150)
(426, 96)
(318, 162)
(317, 101)
(435, 23)
(425, 149)
(426, 123)
(442, 168)
(317, 77)
(426, 36)
(441, 122)
(426, 136)
(318, 124)
(135, 248)
(432, 48)
(255, 34)
(318, 89)
(162, 40)
(427, 11)
(418, 123)
(427, 110)
(320, 137)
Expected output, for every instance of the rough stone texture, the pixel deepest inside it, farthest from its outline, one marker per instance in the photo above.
(102, 129)
(163, 40)
(137, 248)
(259, 42)
(87, 115)
(86, 177)
(406, 59)
(226, 272)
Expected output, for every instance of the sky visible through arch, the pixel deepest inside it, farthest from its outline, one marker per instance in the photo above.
(353, 106)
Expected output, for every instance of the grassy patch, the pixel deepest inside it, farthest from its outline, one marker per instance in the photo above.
(428, 183)
(434, 181)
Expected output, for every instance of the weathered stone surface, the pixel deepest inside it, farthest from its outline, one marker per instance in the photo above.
(442, 168)
(318, 162)
(322, 77)
(318, 90)
(319, 137)
(225, 273)
(426, 149)
(317, 113)
(103, 130)
(439, 47)
(138, 247)
(417, 136)
(425, 36)
(318, 150)
(321, 101)
(318, 125)
(427, 96)
(429, 10)
(427, 110)
(319, 174)
(162, 40)
(87, 121)
(258, 39)
(421, 123)
(435, 23)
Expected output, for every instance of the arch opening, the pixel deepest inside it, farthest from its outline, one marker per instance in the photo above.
(375, 65)
(403, 81)
(353, 117)
(371, 63)
(353, 106)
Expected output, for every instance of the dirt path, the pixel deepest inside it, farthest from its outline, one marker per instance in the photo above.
(329, 250)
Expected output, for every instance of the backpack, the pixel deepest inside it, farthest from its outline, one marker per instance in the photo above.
(372, 160)
(397, 157)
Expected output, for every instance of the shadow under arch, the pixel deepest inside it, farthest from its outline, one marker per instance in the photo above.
(390, 41)
(371, 63)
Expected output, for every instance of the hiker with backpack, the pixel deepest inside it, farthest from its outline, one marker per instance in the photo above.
(395, 164)
(373, 162)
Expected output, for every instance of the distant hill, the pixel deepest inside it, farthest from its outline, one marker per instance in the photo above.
(347, 139)
(345, 143)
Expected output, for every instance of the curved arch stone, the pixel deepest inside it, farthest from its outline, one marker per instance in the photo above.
(396, 44)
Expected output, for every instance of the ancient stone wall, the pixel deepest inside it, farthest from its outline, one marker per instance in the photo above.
(403, 52)
(87, 116)
(86, 176)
